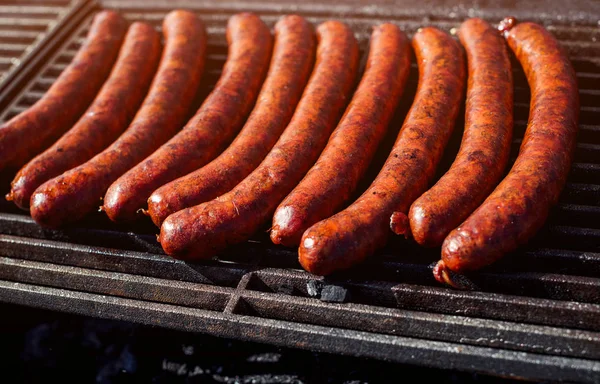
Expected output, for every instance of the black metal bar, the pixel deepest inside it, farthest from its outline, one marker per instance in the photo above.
(444, 300)
(431, 326)
(116, 284)
(117, 260)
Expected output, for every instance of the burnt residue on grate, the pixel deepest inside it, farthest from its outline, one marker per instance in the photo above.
(533, 315)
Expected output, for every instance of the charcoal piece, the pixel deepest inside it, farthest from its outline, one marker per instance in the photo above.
(334, 294)
(314, 288)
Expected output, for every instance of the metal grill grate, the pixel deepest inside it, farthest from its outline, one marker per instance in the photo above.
(27, 30)
(534, 315)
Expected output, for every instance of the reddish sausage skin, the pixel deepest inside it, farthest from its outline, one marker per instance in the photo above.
(78, 191)
(107, 117)
(353, 234)
(218, 119)
(34, 130)
(520, 204)
(330, 182)
(485, 146)
(203, 230)
(292, 61)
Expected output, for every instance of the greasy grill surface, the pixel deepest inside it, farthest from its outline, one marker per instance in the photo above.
(534, 315)
(26, 28)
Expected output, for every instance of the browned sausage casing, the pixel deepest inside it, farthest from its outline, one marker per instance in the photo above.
(353, 234)
(34, 130)
(485, 146)
(205, 229)
(292, 61)
(78, 191)
(216, 122)
(107, 117)
(351, 147)
(520, 204)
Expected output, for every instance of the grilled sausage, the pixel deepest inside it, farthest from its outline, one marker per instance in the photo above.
(520, 204)
(203, 230)
(107, 117)
(35, 129)
(216, 122)
(485, 147)
(353, 234)
(292, 61)
(330, 182)
(77, 192)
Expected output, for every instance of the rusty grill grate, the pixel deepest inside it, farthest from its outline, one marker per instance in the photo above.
(535, 315)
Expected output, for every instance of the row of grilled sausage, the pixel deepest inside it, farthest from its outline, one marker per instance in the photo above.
(279, 137)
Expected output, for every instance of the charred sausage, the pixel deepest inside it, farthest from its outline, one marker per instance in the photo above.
(216, 122)
(205, 229)
(107, 117)
(355, 233)
(520, 204)
(485, 147)
(32, 131)
(292, 61)
(77, 192)
(333, 178)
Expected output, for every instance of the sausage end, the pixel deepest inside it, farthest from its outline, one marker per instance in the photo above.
(321, 253)
(448, 277)
(21, 191)
(287, 226)
(423, 227)
(464, 250)
(42, 212)
(170, 238)
(118, 209)
(158, 208)
(311, 258)
(453, 250)
(179, 237)
(506, 25)
(399, 224)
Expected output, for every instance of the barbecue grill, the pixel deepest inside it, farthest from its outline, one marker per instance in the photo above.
(534, 315)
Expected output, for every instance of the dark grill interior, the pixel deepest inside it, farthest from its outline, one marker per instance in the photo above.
(533, 315)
